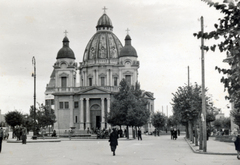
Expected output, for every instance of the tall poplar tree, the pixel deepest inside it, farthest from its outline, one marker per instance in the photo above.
(227, 36)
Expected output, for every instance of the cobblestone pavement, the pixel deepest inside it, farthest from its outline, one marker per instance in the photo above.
(151, 151)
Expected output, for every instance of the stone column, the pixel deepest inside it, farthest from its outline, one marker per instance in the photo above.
(85, 79)
(80, 77)
(94, 78)
(107, 77)
(103, 114)
(71, 111)
(97, 78)
(108, 105)
(87, 114)
(56, 107)
(81, 115)
(108, 109)
(110, 77)
(120, 76)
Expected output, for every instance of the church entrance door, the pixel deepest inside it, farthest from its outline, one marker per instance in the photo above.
(95, 117)
(98, 122)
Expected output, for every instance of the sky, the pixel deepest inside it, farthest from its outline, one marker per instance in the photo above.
(161, 32)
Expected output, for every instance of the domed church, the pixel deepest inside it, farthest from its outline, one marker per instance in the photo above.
(105, 63)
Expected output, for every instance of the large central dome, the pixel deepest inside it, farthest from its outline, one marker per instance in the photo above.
(104, 44)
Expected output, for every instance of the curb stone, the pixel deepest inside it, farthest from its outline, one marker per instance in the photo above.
(209, 153)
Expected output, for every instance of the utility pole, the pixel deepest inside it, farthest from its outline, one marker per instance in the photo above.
(188, 76)
(34, 98)
(203, 115)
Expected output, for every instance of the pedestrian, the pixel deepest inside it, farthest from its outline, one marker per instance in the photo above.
(174, 134)
(42, 132)
(1, 138)
(171, 131)
(6, 134)
(24, 135)
(125, 132)
(237, 145)
(178, 131)
(54, 134)
(69, 134)
(139, 134)
(113, 139)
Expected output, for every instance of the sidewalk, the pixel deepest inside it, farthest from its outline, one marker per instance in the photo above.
(214, 147)
(30, 140)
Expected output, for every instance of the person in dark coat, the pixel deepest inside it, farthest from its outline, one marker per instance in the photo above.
(1, 138)
(237, 145)
(54, 134)
(24, 135)
(174, 134)
(113, 139)
(139, 134)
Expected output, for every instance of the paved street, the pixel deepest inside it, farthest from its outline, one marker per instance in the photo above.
(152, 150)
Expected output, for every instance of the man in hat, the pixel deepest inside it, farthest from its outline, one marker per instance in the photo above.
(113, 139)
(1, 137)
(237, 145)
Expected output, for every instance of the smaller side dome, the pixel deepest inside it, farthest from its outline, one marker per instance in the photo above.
(65, 51)
(104, 21)
(128, 50)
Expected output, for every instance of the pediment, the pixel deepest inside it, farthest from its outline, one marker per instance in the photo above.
(148, 95)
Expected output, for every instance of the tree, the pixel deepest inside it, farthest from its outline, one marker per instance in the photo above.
(128, 106)
(227, 33)
(217, 124)
(140, 114)
(158, 120)
(226, 122)
(235, 113)
(45, 116)
(210, 117)
(187, 106)
(172, 121)
(14, 118)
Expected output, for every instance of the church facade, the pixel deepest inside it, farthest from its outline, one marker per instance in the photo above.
(105, 63)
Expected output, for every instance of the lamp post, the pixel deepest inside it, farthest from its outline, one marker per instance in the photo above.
(34, 98)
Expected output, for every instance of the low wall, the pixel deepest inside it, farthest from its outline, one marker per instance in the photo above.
(224, 138)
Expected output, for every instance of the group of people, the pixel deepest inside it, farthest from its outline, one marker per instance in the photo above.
(174, 133)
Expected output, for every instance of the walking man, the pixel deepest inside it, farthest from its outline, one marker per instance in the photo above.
(1, 138)
(113, 139)
(139, 134)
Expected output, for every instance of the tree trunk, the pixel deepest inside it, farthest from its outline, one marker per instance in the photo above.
(187, 134)
(196, 133)
(127, 132)
(190, 130)
(133, 133)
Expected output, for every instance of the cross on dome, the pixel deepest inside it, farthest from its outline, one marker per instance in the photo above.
(127, 31)
(104, 9)
(65, 33)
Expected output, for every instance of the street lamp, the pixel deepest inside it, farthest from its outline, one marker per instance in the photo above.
(34, 98)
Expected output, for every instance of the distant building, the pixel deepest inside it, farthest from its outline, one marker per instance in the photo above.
(105, 63)
(2, 119)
